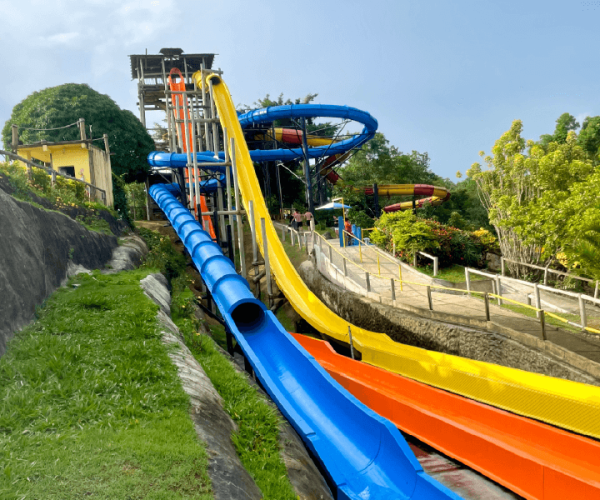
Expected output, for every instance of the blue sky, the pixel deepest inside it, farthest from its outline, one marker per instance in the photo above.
(441, 77)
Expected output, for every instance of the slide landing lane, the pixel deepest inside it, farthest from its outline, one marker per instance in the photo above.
(535, 460)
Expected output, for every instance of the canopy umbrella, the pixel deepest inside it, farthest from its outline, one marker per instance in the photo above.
(332, 205)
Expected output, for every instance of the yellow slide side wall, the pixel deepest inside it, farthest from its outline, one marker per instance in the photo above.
(570, 405)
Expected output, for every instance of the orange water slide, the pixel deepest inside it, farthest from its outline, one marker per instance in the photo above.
(535, 460)
(177, 85)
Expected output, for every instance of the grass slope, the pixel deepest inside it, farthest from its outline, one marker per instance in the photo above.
(91, 405)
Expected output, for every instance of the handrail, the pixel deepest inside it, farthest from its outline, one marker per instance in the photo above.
(51, 171)
(402, 282)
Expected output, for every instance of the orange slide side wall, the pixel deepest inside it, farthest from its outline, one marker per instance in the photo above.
(532, 459)
(177, 84)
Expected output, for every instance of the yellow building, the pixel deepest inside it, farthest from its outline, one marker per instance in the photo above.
(79, 159)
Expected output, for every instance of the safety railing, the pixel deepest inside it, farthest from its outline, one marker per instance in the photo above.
(399, 283)
(581, 298)
(51, 172)
(548, 271)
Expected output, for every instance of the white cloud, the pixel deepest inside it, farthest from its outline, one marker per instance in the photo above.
(61, 38)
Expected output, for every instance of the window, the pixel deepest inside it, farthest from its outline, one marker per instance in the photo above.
(67, 171)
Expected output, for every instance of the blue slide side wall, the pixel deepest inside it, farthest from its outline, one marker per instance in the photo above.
(267, 115)
(364, 455)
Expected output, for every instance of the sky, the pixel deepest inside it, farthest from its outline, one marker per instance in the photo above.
(442, 77)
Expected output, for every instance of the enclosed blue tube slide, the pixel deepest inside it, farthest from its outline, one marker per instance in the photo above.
(267, 115)
(364, 455)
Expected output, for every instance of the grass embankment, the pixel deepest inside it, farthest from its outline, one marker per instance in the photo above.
(91, 403)
(256, 441)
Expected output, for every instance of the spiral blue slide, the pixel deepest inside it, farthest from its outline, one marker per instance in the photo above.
(364, 455)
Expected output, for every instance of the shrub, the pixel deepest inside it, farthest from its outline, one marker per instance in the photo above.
(408, 233)
(449, 244)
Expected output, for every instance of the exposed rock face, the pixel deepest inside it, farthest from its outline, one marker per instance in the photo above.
(128, 255)
(38, 250)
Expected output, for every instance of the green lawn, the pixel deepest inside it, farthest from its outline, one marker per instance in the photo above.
(456, 273)
(256, 441)
(92, 405)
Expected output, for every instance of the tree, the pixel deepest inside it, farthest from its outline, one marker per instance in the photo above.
(535, 194)
(564, 124)
(589, 137)
(379, 162)
(56, 107)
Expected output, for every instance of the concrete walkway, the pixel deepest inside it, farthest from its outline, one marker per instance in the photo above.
(455, 305)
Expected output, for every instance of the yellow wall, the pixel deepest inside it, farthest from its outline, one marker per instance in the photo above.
(91, 164)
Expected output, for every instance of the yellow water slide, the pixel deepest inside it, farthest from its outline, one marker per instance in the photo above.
(563, 403)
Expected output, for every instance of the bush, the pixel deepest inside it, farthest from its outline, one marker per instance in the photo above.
(449, 244)
(408, 233)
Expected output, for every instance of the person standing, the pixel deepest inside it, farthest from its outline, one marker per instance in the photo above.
(297, 220)
(348, 229)
(308, 216)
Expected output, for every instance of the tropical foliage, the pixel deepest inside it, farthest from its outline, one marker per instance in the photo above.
(542, 197)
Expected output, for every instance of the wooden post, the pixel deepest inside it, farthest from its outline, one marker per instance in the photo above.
(546, 275)
(106, 146)
(596, 290)
(52, 173)
(582, 312)
(502, 266)
(538, 302)
(147, 191)
(429, 298)
(81, 124)
(368, 281)
(468, 280)
(499, 288)
(435, 266)
(393, 289)
(15, 139)
(486, 299)
(253, 232)
(543, 324)
(238, 208)
(263, 228)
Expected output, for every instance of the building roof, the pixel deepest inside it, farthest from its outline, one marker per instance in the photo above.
(152, 63)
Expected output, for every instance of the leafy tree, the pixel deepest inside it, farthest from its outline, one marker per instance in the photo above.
(534, 194)
(62, 105)
(379, 162)
(564, 124)
(589, 137)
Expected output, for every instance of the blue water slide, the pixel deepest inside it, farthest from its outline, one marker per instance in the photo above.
(364, 455)
(268, 115)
